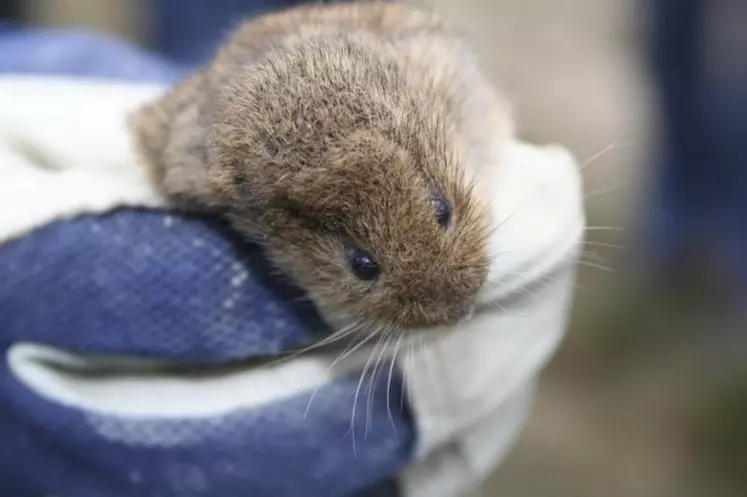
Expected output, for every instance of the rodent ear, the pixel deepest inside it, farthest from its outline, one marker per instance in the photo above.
(316, 194)
(353, 172)
(337, 186)
(170, 135)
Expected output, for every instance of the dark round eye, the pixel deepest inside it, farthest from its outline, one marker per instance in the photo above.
(363, 264)
(442, 207)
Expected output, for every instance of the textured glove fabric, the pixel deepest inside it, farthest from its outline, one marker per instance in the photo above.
(159, 284)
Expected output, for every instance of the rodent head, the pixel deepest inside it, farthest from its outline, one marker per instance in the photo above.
(350, 180)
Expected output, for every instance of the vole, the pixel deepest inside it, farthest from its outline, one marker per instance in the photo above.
(349, 140)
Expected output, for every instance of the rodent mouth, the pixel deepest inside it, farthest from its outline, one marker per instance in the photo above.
(424, 322)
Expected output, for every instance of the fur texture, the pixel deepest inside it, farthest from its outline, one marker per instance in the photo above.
(322, 128)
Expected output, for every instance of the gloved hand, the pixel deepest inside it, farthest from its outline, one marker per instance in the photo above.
(129, 330)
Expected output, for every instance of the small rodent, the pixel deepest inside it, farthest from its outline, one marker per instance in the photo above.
(348, 140)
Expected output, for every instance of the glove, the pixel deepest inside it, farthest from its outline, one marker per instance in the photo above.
(134, 336)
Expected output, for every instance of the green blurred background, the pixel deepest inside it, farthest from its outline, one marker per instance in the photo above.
(647, 397)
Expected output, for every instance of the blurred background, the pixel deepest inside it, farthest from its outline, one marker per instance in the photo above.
(647, 396)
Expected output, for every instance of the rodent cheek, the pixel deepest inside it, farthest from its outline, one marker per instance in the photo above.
(317, 264)
(345, 305)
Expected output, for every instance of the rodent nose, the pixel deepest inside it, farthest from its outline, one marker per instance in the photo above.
(442, 303)
(444, 313)
(440, 298)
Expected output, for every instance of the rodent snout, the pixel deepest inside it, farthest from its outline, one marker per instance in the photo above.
(437, 302)
(441, 314)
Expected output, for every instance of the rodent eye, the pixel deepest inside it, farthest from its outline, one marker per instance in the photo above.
(442, 207)
(363, 264)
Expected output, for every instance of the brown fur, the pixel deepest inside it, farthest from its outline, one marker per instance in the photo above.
(321, 127)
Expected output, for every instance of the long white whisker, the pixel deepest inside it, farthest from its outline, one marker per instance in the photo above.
(432, 371)
(596, 266)
(358, 389)
(590, 160)
(535, 191)
(389, 380)
(548, 278)
(602, 191)
(406, 376)
(349, 349)
(604, 228)
(594, 256)
(332, 338)
(528, 293)
(372, 382)
(607, 245)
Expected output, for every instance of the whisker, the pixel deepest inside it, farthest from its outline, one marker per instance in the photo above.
(497, 305)
(328, 340)
(506, 219)
(535, 191)
(372, 382)
(607, 245)
(504, 252)
(612, 146)
(596, 266)
(602, 191)
(548, 281)
(358, 388)
(592, 255)
(528, 293)
(549, 278)
(604, 228)
(349, 349)
(425, 354)
(406, 376)
(389, 381)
